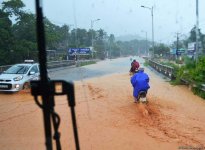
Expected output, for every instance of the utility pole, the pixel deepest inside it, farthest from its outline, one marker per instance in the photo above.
(92, 23)
(91, 33)
(147, 51)
(152, 14)
(197, 30)
(76, 44)
(177, 48)
(153, 31)
(69, 28)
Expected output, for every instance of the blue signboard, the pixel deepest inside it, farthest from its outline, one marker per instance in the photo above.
(79, 51)
(180, 51)
(190, 52)
(72, 51)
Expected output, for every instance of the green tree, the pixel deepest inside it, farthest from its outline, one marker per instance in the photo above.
(24, 32)
(52, 37)
(13, 7)
(114, 49)
(73, 38)
(64, 36)
(5, 37)
(133, 47)
(81, 37)
(99, 44)
(192, 37)
(57, 37)
(161, 49)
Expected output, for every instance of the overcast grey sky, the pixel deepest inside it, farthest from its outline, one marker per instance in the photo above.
(122, 17)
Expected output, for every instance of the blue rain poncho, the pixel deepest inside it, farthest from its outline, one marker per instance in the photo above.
(140, 82)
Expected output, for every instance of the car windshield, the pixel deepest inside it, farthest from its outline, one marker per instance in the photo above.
(156, 103)
(17, 69)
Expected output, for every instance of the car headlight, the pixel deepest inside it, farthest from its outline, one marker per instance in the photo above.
(18, 78)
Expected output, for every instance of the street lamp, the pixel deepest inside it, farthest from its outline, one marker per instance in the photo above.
(74, 28)
(92, 23)
(152, 14)
(69, 29)
(197, 30)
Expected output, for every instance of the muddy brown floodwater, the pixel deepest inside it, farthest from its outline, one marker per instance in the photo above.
(108, 119)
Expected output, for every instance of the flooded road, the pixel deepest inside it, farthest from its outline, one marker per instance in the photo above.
(107, 117)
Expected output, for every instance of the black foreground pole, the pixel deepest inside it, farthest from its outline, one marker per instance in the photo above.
(46, 89)
(43, 75)
(71, 103)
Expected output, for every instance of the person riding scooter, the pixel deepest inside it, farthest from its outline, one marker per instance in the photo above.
(134, 66)
(140, 82)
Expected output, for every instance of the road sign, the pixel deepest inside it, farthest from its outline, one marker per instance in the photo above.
(192, 46)
(180, 51)
(79, 51)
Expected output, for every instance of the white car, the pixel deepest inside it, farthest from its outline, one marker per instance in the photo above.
(18, 76)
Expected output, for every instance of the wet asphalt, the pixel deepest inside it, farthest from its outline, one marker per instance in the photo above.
(101, 68)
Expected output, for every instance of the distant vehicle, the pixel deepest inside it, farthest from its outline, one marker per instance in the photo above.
(18, 76)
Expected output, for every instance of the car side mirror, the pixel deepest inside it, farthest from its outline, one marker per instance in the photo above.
(31, 73)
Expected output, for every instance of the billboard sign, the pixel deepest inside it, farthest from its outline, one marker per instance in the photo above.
(180, 51)
(79, 51)
(192, 46)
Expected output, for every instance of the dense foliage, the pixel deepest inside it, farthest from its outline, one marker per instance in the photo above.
(193, 72)
(160, 50)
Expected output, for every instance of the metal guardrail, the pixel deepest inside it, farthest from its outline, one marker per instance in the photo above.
(164, 69)
(169, 72)
(84, 62)
(63, 63)
(54, 64)
(203, 87)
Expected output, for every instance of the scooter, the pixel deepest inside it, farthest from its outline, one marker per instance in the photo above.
(142, 97)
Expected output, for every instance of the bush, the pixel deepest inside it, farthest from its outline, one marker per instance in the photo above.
(194, 73)
(198, 92)
(198, 73)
